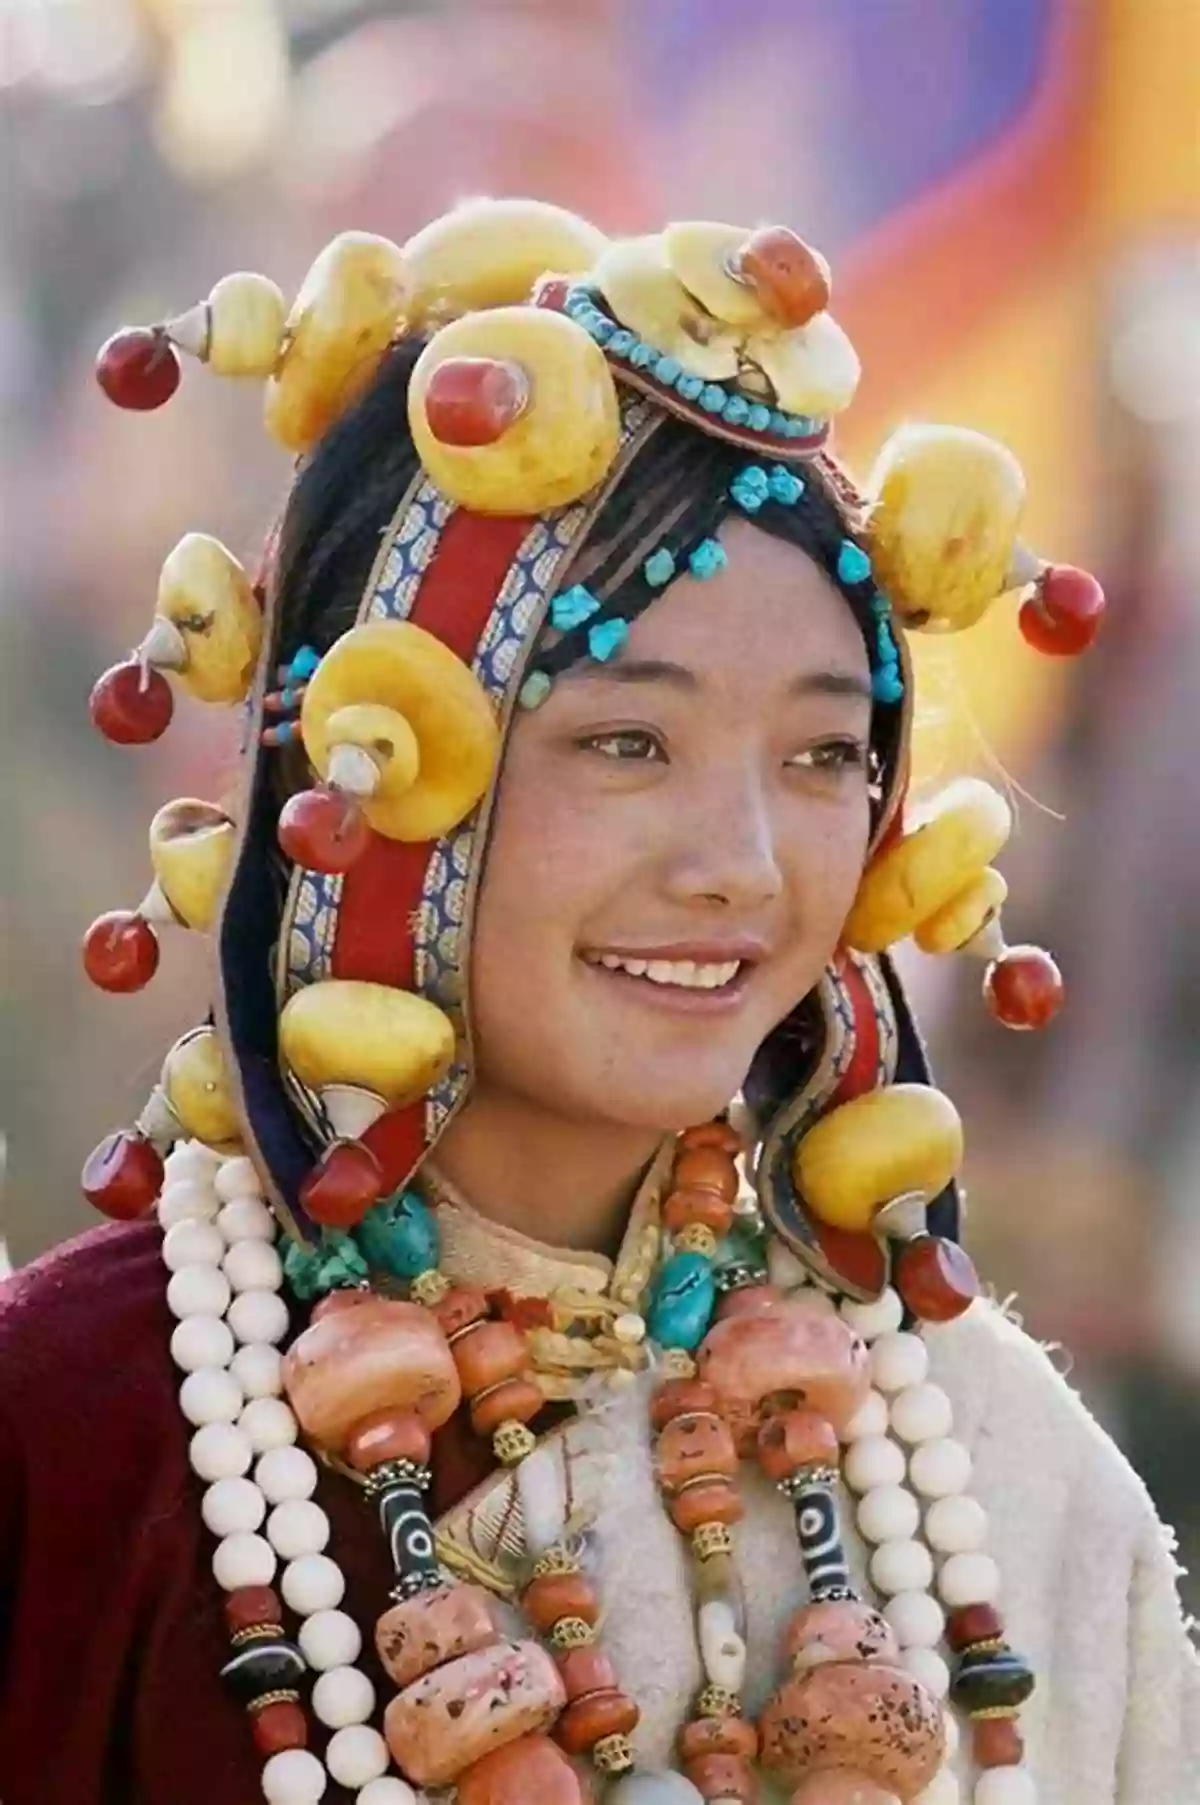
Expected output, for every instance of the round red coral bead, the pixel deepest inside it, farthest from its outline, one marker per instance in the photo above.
(1063, 615)
(123, 1176)
(131, 706)
(120, 952)
(138, 368)
(1024, 988)
(323, 830)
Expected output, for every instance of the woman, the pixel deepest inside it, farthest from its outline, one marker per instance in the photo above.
(486, 1000)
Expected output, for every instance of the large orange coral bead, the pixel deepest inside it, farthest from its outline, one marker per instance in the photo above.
(382, 1355)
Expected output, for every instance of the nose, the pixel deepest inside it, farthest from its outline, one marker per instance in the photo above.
(722, 847)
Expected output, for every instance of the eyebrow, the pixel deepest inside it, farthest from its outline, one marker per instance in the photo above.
(658, 670)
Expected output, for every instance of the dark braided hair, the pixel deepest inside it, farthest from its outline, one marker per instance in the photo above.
(674, 494)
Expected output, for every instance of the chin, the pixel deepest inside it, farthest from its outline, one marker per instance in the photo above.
(649, 1100)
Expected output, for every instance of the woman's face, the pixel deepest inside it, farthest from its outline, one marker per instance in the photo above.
(677, 843)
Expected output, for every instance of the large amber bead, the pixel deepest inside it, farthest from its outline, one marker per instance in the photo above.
(196, 1080)
(207, 597)
(454, 1716)
(889, 1143)
(490, 253)
(191, 850)
(351, 303)
(942, 529)
(564, 441)
(398, 666)
(947, 848)
(383, 1355)
(964, 916)
(778, 1354)
(346, 1031)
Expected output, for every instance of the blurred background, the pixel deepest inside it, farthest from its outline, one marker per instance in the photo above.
(1010, 194)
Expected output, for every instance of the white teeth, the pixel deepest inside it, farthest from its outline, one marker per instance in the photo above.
(684, 973)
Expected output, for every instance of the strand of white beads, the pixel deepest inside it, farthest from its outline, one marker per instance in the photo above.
(875, 1467)
(224, 1290)
(918, 1458)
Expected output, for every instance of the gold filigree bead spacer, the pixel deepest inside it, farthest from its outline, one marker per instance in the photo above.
(429, 1288)
(711, 1539)
(558, 1558)
(719, 1701)
(613, 1754)
(513, 1442)
(697, 1237)
(284, 1697)
(572, 1632)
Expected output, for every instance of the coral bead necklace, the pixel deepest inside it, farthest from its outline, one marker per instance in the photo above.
(860, 1716)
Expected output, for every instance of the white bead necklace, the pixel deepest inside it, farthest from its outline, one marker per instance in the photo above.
(224, 1289)
(926, 1531)
(902, 1461)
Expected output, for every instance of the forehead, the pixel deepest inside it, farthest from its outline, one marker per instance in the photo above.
(771, 607)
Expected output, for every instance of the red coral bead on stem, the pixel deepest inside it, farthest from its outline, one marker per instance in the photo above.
(1024, 988)
(347, 1183)
(474, 400)
(138, 368)
(936, 1278)
(1063, 615)
(120, 952)
(131, 704)
(789, 277)
(551, 292)
(123, 1176)
(323, 830)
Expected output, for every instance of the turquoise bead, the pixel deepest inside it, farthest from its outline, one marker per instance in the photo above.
(399, 1236)
(690, 387)
(779, 424)
(642, 355)
(759, 417)
(572, 607)
(607, 637)
(887, 685)
(534, 690)
(712, 398)
(683, 1302)
(601, 329)
(659, 567)
(667, 371)
(853, 565)
(737, 410)
(622, 343)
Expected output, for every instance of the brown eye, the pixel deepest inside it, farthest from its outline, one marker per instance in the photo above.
(629, 745)
(832, 756)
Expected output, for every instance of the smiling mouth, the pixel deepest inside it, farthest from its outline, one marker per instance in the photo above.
(673, 974)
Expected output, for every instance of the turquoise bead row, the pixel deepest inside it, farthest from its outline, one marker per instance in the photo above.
(727, 404)
(398, 1238)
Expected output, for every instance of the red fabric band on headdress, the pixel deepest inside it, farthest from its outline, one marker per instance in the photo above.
(382, 893)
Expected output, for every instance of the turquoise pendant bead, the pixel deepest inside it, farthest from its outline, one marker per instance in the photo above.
(400, 1236)
(683, 1302)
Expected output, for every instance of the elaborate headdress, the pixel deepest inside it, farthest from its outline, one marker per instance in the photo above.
(545, 358)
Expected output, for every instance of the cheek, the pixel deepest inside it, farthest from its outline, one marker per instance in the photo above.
(541, 869)
(825, 875)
